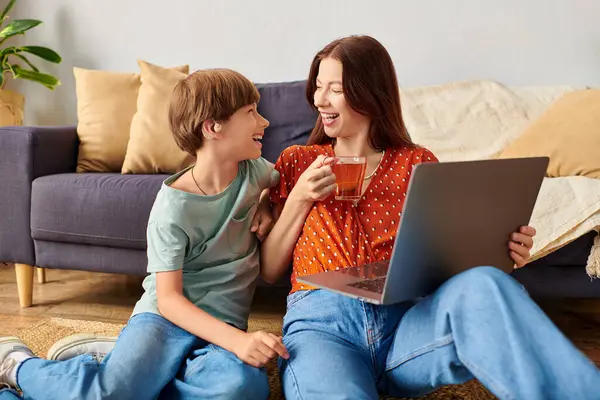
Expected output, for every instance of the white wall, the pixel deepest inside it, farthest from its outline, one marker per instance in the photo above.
(518, 42)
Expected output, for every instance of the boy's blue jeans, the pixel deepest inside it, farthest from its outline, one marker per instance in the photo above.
(152, 358)
(480, 324)
(8, 394)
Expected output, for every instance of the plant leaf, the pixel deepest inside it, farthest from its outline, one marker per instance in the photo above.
(1, 78)
(47, 80)
(43, 52)
(22, 57)
(8, 50)
(18, 27)
(10, 4)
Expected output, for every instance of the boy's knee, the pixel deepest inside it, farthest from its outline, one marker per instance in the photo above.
(222, 374)
(248, 382)
(8, 394)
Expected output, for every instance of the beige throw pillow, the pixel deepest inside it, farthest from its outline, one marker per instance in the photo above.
(151, 147)
(568, 132)
(106, 103)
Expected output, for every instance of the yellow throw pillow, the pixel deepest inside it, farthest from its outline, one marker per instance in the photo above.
(151, 147)
(106, 103)
(568, 132)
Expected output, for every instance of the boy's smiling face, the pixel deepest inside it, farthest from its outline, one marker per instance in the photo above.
(242, 133)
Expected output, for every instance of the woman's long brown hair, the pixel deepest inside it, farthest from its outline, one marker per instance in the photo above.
(370, 88)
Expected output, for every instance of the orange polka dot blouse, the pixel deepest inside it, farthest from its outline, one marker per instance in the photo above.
(337, 234)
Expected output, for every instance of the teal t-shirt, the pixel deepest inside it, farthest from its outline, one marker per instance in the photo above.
(209, 238)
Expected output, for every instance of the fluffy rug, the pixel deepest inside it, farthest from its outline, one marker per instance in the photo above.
(47, 331)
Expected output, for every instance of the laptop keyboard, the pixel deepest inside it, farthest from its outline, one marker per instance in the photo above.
(372, 285)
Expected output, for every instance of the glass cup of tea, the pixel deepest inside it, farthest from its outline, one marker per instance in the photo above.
(349, 176)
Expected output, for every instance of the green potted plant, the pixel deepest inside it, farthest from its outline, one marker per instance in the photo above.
(14, 60)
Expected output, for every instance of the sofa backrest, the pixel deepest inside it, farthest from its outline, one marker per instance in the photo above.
(457, 120)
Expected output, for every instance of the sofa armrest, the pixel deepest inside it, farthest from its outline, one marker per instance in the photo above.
(27, 153)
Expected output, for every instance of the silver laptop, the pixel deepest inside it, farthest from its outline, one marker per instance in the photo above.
(456, 216)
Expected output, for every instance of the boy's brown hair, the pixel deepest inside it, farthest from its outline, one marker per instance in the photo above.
(203, 95)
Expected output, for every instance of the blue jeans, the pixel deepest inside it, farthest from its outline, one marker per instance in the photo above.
(152, 358)
(8, 394)
(479, 324)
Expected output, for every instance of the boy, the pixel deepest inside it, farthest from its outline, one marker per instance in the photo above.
(186, 337)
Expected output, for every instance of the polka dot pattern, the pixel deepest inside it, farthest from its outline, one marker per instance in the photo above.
(338, 234)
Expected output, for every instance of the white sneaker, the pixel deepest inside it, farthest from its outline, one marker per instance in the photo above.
(82, 343)
(12, 353)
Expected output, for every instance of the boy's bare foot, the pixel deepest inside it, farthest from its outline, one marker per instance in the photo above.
(82, 343)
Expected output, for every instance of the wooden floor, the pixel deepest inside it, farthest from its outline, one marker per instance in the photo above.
(110, 298)
(92, 296)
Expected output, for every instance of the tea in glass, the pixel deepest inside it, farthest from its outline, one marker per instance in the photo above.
(349, 176)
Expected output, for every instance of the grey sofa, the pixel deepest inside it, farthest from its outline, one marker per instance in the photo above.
(52, 217)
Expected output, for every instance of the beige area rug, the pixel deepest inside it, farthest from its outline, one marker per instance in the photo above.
(47, 331)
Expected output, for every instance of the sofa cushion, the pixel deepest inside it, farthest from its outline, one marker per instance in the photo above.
(152, 148)
(291, 117)
(100, 209)
(568, 132)
(106, 103)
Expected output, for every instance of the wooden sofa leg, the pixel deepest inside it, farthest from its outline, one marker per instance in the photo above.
(41, 275)
(25, 284)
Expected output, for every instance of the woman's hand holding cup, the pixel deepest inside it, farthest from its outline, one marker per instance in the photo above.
(317, 182)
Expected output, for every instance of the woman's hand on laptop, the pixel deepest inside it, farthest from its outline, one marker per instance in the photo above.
(520, 245)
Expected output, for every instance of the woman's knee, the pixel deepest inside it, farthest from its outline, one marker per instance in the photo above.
(313, 355)
(479, 286)
(481, 278)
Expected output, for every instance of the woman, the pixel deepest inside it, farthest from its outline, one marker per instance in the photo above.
(480, 323)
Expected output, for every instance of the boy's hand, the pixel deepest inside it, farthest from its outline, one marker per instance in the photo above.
(520, 245)
(263, 221)
(257, 348)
